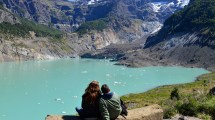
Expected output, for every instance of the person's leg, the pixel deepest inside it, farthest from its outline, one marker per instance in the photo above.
(79, 110)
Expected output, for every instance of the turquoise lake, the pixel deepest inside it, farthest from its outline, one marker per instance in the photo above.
(31, 90)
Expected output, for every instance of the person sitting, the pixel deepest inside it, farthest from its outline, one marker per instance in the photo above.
(90, 101)
(109, 104)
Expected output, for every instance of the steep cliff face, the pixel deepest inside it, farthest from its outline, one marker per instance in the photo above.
(46, 12)
(187, 38)
(106, 22)
(195, 18)
(7, 17)
(68, 16)
(37, 48)
(24, 40)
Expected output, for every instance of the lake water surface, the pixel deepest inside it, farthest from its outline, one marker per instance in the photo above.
(31, 90)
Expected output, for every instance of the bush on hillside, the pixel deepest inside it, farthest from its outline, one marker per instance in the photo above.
(169, 112)
(175, 94)
(198, 15)
(188, 109)
(98, 25)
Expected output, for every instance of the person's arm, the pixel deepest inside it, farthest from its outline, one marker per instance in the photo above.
(82, 102)
(103, 110)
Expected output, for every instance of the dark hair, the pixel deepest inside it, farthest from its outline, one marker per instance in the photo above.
(92, 92)
(105, 88)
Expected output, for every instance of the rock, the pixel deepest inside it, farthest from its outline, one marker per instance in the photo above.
(153, 112)
(55, 117)
(212, 91)
(181, 117)
(6, 16)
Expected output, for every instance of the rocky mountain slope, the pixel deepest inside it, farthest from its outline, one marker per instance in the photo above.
(128, 18)
(85, 25)
(21, 39)
(187, 39)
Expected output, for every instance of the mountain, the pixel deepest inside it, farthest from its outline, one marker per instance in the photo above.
(21, 39)
(187, 38)
(68, 16)
(128, 20)
(85, 25)
(196, 18)
(47, 12)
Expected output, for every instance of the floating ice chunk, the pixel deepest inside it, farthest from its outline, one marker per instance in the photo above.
(75, 96)
(108, 75)
(58, 99)
(45, 69)
(84, 72)
(117, 82)
(3, 115)
(38, 103)
(63, 112)
(62, 102)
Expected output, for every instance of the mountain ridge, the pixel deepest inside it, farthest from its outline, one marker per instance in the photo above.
(190, 21)
(138, 22)
(184, 41)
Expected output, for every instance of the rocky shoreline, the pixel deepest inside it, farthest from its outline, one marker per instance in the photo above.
(139, 57)
(129, 54)
(131, 58)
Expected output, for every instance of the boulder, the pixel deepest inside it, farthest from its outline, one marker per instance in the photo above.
(153, 112)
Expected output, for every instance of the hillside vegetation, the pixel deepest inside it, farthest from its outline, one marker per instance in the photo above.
(22, 29)
(199, 15)
(190, 99)
(98, 25)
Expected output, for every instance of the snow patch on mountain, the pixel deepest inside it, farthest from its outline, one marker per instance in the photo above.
(159, 6)
(91, 2)
(156, 6)
(182, 3)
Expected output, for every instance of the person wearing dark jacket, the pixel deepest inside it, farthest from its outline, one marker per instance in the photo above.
(109, 104)
(90, 101)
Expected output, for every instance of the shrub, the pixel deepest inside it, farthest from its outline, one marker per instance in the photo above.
(189, 108)
(169, 112)
(98, 25)
(175, 94)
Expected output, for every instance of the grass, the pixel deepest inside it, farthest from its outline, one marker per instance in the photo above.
(194, 99)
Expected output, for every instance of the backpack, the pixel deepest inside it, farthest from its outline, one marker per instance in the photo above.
(124, 109)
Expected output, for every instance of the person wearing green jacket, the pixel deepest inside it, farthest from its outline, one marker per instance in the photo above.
(109, 104)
